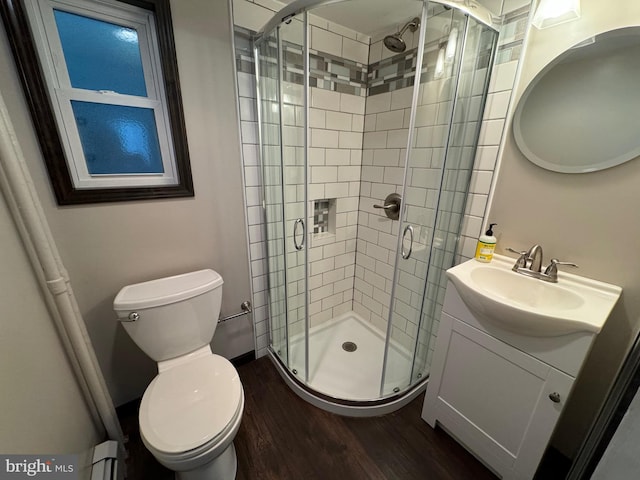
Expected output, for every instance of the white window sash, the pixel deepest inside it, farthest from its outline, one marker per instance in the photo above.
(42, 21)
(80, 172)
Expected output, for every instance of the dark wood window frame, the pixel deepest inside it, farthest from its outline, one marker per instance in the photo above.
(43, 117)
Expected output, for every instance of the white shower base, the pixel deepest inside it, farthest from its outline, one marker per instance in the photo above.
(352, 376)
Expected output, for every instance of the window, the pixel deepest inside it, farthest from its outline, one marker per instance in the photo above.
(101, 80)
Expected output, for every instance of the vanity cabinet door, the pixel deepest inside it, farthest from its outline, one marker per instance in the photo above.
(499, 402)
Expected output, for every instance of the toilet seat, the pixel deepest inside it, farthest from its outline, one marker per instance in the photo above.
(186, 409)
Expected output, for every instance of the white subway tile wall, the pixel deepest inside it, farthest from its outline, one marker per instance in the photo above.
(356, 156)
(501, 85)
(253, 199)
(336, 141)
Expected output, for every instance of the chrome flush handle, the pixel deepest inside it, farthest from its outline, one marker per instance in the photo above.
(132, 317)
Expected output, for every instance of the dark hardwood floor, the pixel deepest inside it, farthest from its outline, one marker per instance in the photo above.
(282, 437)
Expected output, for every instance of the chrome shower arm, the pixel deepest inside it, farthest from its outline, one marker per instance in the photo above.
(413, 24)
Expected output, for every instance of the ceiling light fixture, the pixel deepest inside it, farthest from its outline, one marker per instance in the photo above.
(554, 12)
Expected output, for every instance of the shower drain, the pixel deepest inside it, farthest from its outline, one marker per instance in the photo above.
(349, 347)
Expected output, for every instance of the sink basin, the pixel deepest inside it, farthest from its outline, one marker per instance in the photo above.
(529, 306)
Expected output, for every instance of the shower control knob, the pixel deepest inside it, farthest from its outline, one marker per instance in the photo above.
(554, 397)
(391, 206)
(133, 316)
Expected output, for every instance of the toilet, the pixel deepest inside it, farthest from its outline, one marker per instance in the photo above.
(191, 411)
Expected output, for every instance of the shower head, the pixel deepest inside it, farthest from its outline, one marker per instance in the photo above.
(395, 43)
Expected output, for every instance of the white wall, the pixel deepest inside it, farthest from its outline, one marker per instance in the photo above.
(107, 246)
(589, 219)
(43, 410)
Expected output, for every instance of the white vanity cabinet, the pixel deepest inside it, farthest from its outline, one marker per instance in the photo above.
(499, 393)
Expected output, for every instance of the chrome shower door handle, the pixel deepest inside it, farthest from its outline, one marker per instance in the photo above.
(300, 245)
(406, 255)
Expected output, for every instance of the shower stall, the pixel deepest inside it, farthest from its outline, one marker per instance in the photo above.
(369, 116)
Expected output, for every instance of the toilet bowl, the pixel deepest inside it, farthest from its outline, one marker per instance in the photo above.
(191, 411)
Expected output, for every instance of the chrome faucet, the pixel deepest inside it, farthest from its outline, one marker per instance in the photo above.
(534, 257)
(529, 263)
(531, 260)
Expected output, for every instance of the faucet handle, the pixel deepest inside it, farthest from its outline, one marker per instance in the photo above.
(521, 262)
(552, 268)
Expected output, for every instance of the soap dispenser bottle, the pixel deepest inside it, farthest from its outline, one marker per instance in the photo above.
(486, 245)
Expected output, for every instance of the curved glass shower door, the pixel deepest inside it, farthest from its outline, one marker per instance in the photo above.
(347, 118)
(445, 130)
(282, 123)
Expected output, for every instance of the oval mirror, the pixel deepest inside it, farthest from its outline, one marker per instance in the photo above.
(581, 113)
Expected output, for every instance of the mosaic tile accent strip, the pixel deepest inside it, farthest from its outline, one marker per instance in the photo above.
(398, 71)
(244, 51)
(326, 71)
(512, 33)
(393, 73)
(484, 55)
(344, 76)
(337, 74)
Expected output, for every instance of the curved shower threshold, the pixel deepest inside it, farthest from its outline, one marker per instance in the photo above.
(348, 408)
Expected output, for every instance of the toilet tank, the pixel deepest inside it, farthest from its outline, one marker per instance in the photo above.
(170, 317)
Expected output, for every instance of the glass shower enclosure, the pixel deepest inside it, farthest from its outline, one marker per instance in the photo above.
(367, 150)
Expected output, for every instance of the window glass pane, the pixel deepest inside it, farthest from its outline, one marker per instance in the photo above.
(101, 55)
(118, 139)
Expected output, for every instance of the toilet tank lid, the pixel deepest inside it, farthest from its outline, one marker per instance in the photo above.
(164, 291)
